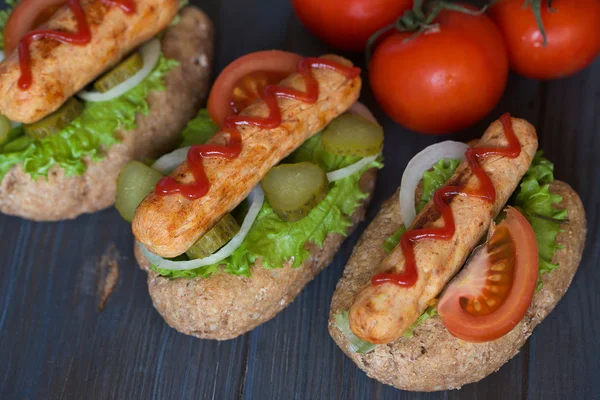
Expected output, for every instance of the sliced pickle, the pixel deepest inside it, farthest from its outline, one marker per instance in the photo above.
(352, 135)
(134, 183)
(215, 238)
(295, 189)
(56, 121)
(119, 74)
(5, 127)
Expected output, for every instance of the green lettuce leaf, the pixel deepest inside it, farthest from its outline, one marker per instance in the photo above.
(88, 136)
(360, 346)
(4, 16)
(392, 241)
(538, 205)
(428, 313)
(434, 179)
(198, 130)
(276, 242)
(357, 345)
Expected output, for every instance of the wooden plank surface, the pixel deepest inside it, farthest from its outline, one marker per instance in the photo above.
(54, 343)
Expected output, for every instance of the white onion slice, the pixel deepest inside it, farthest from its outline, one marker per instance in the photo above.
(350, 169)
(359, 108)
(167, 163)
(256, 199)
(150, 52)
(420, 164)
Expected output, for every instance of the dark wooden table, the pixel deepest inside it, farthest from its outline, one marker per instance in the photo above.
(54, 343)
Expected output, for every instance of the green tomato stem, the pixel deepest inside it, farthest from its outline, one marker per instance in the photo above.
(419, 19)
(536, 8)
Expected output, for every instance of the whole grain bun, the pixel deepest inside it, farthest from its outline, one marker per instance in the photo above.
(61, 197)
(433, 359)
(225, 306)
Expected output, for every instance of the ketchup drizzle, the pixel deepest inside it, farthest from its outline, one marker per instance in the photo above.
(441, 199)
(81, 37)
(201, 185)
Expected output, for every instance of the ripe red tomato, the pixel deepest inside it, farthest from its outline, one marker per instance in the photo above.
(443, 80)
(28, 15)
(493, 292)
(241, 82)
(348, 24)
(572, 32)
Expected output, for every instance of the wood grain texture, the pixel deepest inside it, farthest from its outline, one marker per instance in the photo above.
(55, 344)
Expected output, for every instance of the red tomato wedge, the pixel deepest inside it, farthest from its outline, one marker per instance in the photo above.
(489, 297)
(27, 15)
(242, 81)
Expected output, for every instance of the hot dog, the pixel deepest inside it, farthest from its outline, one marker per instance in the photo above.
(67, 163)
(303, 156)
(60, 70)
(169, 225)
(474, 297)
(380, 314)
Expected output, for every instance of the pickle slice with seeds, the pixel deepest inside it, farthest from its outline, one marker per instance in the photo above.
(56, 121)
(352, 135)
(134, 183)
(293, 190)
(215, 238)
(119, 74)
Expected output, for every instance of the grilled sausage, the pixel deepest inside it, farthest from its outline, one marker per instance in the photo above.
(380, 314)
(169, 225)
(60, 70)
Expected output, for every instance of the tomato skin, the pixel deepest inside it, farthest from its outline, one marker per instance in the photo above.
(276, 62)
(28, 15)
(444, 81)
(348, 24)
(573, 34)
(476, 278)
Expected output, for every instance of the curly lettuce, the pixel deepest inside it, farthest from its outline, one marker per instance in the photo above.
(392, 241)
(198, 130)
(535, 201)
(434, 179)
(89, 136)
(357, 345)
(274, 242)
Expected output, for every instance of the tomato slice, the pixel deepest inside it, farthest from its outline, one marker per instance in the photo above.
(27, 15)
(489, 297)
(242, 81)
